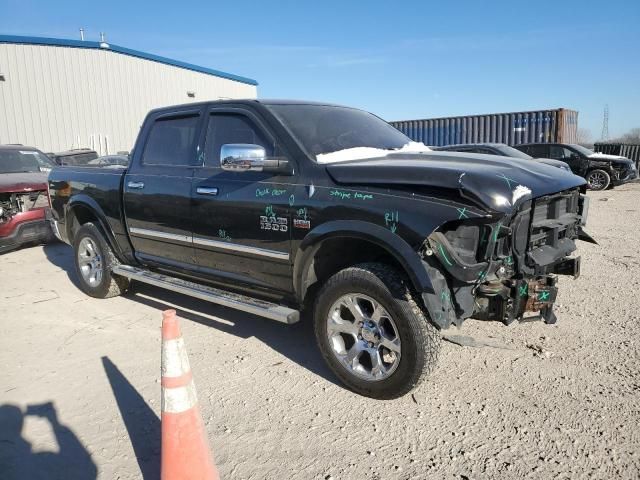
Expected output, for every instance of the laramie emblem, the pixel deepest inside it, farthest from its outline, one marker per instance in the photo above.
(273, 223)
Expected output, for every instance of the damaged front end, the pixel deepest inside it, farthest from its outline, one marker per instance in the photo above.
(505, 270)
(12, 204)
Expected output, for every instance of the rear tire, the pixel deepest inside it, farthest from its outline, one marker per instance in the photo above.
(598, 179)
(390, 346)
(93, 260)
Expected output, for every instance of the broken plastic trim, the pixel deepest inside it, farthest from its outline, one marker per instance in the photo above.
(451, 261)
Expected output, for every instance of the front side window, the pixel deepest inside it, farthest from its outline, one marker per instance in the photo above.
(225, 128)
(560, 153)
(323, 129)
(171, 141)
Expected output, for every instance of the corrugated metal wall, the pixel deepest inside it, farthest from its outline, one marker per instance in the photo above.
(544, 126)
(631, 151)
(58, 98)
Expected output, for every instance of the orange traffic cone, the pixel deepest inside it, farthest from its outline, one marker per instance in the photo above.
(185, 452)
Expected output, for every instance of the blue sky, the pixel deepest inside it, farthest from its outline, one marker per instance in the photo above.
(411, 59)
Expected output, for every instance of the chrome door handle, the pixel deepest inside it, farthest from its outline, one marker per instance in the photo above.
(207, 190)
(135, 185)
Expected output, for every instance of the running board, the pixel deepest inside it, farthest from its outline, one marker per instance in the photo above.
(254, 306)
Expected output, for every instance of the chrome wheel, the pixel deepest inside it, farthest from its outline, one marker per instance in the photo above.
(90, 262)
(363, 337)
(597, 180)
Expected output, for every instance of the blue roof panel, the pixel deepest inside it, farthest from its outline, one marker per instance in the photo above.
(59, 42)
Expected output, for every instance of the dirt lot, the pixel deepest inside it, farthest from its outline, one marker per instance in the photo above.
(526, 401)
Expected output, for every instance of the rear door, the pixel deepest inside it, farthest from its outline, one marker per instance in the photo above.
(538, 151)
(241, 220)
(157, 189)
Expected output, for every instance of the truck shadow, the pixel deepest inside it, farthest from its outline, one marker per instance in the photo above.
(296, 342)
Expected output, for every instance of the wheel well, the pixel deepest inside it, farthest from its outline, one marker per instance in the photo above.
(79, 216)
(336, 254)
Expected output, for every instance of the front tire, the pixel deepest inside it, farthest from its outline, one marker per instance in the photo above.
(372, 333)
(93, 261)
(598, 179)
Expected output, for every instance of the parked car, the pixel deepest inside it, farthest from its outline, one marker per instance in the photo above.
(79, 156)
(274, 207)
(600, 170)
(110, 161)
(500, 149)
(24, 202)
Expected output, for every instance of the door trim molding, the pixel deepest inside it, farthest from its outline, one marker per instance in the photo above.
(157, 234)
(264, 252)
(241, 248)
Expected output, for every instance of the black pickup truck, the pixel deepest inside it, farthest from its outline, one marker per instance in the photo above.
(278, 207)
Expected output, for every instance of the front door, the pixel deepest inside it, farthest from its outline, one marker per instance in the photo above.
(573, 159)
(157, 190)
(241, 220)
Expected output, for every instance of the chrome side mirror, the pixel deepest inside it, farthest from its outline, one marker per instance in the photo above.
(242, 157)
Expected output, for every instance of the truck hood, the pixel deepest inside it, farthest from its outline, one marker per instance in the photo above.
(604, 156)
(23, 182)
(553, 163)
(497, 183)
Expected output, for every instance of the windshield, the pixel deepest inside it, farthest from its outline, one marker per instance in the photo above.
(24, 161)
(323, 129)
(513, 152)
(581, 149)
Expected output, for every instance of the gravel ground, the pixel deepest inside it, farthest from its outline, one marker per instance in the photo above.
(525, 401)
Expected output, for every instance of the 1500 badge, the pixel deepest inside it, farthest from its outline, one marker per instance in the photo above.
(277, 224)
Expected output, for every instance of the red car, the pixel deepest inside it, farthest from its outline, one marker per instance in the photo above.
(24, 199)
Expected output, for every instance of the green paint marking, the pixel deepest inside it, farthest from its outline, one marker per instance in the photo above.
(268, 211)
(302, 213)
(507, 179)
(340, 194)
(276, 192)
(497, 231)
(261, 192)
(484, 237)
(292, 200)
(444, 255)
(543, 295)
(509, 260)
(445, 296)
(482, 276)
(463, 213)
(362, 196)
(523, 290)
(223, 235)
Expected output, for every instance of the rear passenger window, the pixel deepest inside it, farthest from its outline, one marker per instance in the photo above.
(556, 152)
(539, 151)
(226, 128)
(171, 141)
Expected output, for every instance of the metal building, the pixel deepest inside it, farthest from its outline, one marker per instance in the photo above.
(62, 94)
(540, 126)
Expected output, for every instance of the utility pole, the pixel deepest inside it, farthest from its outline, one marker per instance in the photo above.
(605, 124)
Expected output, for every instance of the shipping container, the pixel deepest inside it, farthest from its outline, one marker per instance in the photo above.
(631, 151)
(542, 126)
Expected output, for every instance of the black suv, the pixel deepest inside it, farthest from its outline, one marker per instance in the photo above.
(600, 170)
(500, 149)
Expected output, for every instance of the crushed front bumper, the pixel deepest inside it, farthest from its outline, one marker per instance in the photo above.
(24, 228)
